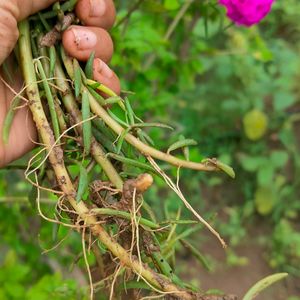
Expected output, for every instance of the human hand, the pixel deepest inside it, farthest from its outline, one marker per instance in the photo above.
(78, 41)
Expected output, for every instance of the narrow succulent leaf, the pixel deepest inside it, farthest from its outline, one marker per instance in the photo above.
(98, 97)
(89, 66)
(82, 184)
(50, 100)
(131, 162)
(112, 100)
(87, 124)
(129, 111)
(197, 254)
(117, 119)
(181, 144)
(145, 137)
(52, 56)
(227, 169)
(145, 125)
(9, 119)
(77, 78)
(121, 140)
(264, 283)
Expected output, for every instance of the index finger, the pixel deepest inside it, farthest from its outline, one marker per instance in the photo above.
(21, 9)
(99, 13)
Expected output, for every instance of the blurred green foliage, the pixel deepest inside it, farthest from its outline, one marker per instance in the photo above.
(16, 283)
(232, 89)
(235, 91)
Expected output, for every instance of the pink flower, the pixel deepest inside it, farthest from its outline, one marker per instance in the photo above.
(247, 12)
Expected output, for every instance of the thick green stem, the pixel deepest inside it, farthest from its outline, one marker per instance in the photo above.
(56, 156)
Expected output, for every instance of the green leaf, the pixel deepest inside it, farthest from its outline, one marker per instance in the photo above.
(87, 124)
(83, 183)
(89, 66)
(279, 158)
(121, 140)
(197, 254)
(181, 144)
(251, 163)
(263, 284)
(9, 119)
(264, 199)
(52, 56)
(171, 4)
(283, 100)
(153, 6)
(265, 174)
(113, 100)
(10, 259)
(227, 169)
(255, 124)
(221, 166)
(132, 162)
(129, 111)
(32, 196)
(77, 79)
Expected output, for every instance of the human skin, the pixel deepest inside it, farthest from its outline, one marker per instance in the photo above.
(97, 15)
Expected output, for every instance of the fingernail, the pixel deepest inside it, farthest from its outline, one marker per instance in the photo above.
(84, 38)
(103, 69)
(97, 8)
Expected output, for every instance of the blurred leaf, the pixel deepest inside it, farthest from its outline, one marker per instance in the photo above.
(171, 4)
(265, 174)
(56, 287)
(264, 200)
(279, 158)
(153, 6)
(255, 124)
(263, 284)
(181, 143)
(283, 100)
(252, 163)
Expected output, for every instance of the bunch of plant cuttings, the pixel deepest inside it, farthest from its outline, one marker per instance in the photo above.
(96, 156)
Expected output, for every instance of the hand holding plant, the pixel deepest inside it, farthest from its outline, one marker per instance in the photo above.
(78, 41)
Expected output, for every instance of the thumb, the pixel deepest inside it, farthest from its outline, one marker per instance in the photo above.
(12, 11)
